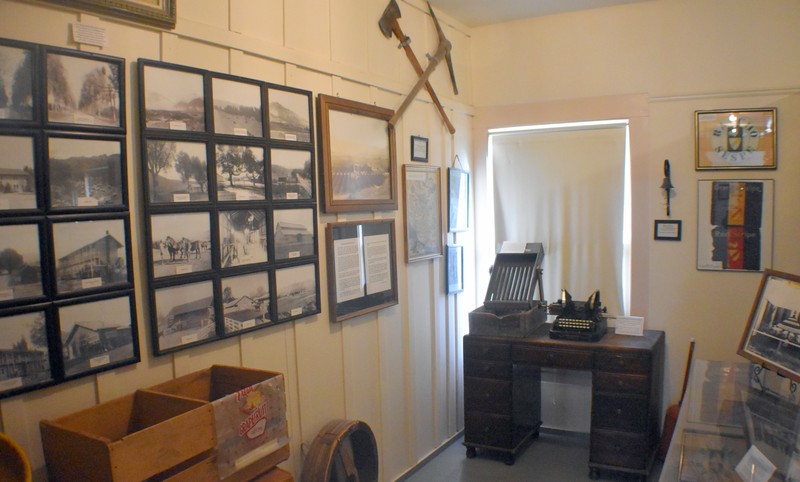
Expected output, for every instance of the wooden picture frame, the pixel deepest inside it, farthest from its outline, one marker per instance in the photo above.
(161, 14)
(419, 149)
(736, 139)
(457, 200)
(455, 268)
(357, 159)
(771, 336)
(362, 269)
(423, 212)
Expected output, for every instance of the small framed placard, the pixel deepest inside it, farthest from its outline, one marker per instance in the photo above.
(629, 325)
(419, 149)
(667, 230)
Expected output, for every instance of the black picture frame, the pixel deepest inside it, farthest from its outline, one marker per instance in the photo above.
(26, 332)
(182, 241)
(294, 233)
(242, 237)
(667, 229)
(185, 315)
(20, 172)
(177, 170)
(290, 116)
(458, 189)
(455, 268)
(173, 97)
(362, 267)
(23, 243)
(297, 291)
(240, 172)
(237, 106)
(419, 149)
(21, 83)
(246, 301)
(292, 172)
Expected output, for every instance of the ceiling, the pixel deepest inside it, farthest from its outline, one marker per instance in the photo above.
(474, 13)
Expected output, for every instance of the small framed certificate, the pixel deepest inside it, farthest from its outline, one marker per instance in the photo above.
(667, 230)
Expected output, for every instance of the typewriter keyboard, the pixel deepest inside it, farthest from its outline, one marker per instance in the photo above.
(574, 324)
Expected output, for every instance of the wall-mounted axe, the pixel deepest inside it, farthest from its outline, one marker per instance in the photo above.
(389, 25)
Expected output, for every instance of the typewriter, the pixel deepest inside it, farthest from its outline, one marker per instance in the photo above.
(575, 320)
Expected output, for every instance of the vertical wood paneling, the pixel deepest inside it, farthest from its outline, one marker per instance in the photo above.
(213, 13)
(223, 352)
(350, 32)
(309, 26)
(260, 19)
(181, 51)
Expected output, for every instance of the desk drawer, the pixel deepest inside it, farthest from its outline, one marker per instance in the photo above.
(622, 362)
(486, 395)
(487, 369)
(488, 429)
(619, 412)
(545, 357)
(619, 383)
(477, 350)
(620, 449)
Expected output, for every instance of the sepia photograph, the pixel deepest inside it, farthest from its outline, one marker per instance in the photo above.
(237, 108)
(242, 237)
(294, 233)
(184, 314)
(173, 99)
(240, 173)
(710, 456)
(84, 91)
(90, 254)
(245, 301)
(292, 178)
(20, 262)
(181, 243)
(177, 171)
(84, 173)
(24, 351)
(17, 173)
(289, 116)
(96, 335)
(16, 83)
(296, 291)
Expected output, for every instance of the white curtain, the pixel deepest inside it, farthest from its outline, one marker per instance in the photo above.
(565, 188)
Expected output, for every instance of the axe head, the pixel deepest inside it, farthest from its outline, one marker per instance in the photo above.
(389, 18)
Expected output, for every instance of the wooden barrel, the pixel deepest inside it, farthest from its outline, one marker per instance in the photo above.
(14, 465)
(343, 451)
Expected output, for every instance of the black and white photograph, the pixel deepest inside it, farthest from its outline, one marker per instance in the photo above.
(177, 171)
(97, 334)
(84, 91)
(20, 262)
(242, 237)
(296, 291)
(85, 173)
(16, 83)
(173, 99)
(294, 233)
(237, 108)
(184, 314)
(17, 173)
(90, 254)
(240, 173)
(24, 351)
(245, 301)
(289, 116)
(181, 243)
(292, 178)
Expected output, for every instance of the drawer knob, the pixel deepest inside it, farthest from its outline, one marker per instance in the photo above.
(619, 411)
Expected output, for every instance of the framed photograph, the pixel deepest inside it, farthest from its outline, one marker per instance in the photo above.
(667, 230)
(289, 114)
(419, 149)
(90, 254)
(710, 456)
(237, 107)
(159, 13)
(242, 237)
(292, 174)
(17, 81)
(457, 200)
(86, 173)
(177, 171)
(772, 335)
(734, 224)
(362, 269)
(455, 268)
(423, 212)
(246, 302)
(174, 97)
(736, 139)
(18, 172)
(24, 333)
(240, 173)
(181, 243)
(358, 156)
(85, 89)
(294, 233)
(20, 262)
(297, 291)
(97, 335)
(184, 315)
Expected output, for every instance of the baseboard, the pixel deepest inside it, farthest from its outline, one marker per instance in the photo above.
(414, 468)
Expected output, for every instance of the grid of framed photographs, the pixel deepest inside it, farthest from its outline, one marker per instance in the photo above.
(67, 305)
(231, 214)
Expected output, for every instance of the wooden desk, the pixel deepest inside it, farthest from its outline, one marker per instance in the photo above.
(502, 394)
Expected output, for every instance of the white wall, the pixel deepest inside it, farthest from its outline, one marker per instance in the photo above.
(397, 369)
(656, 63)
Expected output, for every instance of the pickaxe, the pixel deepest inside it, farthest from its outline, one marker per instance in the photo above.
(388, 25)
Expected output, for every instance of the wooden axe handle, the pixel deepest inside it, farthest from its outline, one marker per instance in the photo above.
(398, 32)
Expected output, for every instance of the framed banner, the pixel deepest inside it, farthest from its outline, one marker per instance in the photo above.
(736, 139)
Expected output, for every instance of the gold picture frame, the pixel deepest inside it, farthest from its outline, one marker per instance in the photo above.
(158, 13)
(736, 139)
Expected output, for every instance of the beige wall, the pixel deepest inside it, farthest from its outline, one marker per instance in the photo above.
(656, 63)
(397, 369)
